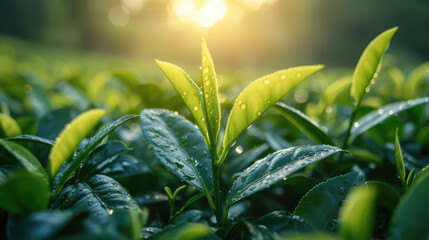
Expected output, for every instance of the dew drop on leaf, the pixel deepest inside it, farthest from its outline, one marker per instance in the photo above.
(340, 191)
(195, 108)
(243, 106)
(267, 81)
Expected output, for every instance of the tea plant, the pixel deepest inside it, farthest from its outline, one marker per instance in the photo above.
(57, 182)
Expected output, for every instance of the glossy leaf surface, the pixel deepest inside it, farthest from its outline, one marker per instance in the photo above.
(303, 123)
(377, 116)
(321, 204)
(188, 91)
(210, 92)
(178, 145)
(275, 167)
(32, 139)
(70, 137)
(399, 160)
(369, 63)
(260, 95)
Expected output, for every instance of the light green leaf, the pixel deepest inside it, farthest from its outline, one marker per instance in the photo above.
(304, 123)
(414, 80)
(188, 91)
(89, 147)
(9, 126)
(184, 231)
(25, 159)
(377, 116)
(23, 192)
(357, 215)
(399, 160)
(368, 64)
(321, 204)
(70, 137)
(178, 145)
(210, 92)
(411, 218)
(275, 167)
(260, 95)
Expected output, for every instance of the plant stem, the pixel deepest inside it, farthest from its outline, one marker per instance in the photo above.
(217, 196)
(346, 138)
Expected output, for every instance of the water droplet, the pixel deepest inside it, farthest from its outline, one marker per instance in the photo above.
(267, 81)
(380, 111)
(268, 101)
(67, 126)
(372, 81)
(298, 75)
(258, 114)
(185, 93)
(110, 211)
(239, 149)
(201, 67)
(207, 83)
(239, 102)
(282, 77)
(204, 58)
(367, 89)
(375, 75)
(328, 109)
(57, 139)
(391, 112)
(195, 108)
(243, 106)
(340, 191)
(427, 99)
(284, 179)
(356, 124)
(206, 70)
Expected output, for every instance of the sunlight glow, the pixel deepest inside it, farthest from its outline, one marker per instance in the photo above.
(185, 10)
(206, 16)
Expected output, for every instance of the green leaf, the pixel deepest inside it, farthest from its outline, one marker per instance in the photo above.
(368, 64)
(126, 166)
(70, 137)
(32, 139)
(25, 159)
(100, 194)
(309, 236)
(101, 158)
(423, 172)
(282, 222)
(302, 122)
(377, 116)
(411, 218)
(399, 160)
(9, 126)
(357, 215)
(178, 145)
(188, 91)
(185, 231)
(414, 80)
(259, 96)
(89, 147)
(210, 92)
(275, 167)
(23, 192)
(321, 204)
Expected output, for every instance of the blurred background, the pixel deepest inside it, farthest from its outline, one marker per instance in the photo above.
(261, 34)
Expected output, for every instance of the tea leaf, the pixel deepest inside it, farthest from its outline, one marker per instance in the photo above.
(89, 147)
(377, 116)
(183, 231)
(411, 217)
(32, 139)
(210, 92)
(283, 222)
(70, 137)
(275, 167)
(321, 204)
(399, 160)
(260, 95)
(357, 215)
(302, 122)
(368, 64)
(415, 78)
(8, 126)
(25, 159)
(23, 192)
(100, 194)
(178, 145)
(188, 91)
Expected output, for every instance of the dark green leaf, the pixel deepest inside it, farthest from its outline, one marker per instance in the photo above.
(89, 147)
(178, 145)
(283, 222)
(271, 169)
(357, 215)
(100, 194)
(25, 159)
(189, 216)
(375, 117)
(126, 166)
(32, 139)
(399, 160)
(259, 96)
(411, 217)
(23, 192)
(321, 204)
(368, 64)
(185, 231)
(301, 121)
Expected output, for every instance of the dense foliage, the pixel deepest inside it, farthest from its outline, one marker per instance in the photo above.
(101, 157)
